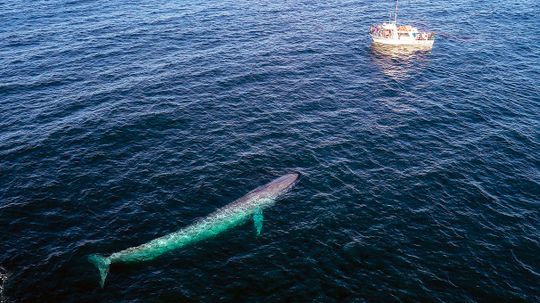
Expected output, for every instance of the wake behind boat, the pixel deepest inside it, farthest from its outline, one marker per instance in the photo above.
(389, 33)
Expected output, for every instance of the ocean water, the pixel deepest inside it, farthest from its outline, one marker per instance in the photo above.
(122, 121)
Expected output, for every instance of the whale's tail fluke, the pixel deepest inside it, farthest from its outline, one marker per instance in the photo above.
(102, 265)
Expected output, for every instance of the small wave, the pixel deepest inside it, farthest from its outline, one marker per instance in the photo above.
(525, 266)
(3, 279)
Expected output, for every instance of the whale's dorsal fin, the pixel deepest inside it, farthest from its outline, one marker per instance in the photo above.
(258, 220)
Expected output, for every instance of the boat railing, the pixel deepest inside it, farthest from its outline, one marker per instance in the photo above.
(425, 36)
(377, 30)
(380, 31)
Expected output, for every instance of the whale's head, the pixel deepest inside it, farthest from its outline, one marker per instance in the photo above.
(278, 186)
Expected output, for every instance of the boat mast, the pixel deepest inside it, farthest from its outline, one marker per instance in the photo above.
(395, 13)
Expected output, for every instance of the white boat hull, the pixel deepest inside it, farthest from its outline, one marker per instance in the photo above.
(411, 42)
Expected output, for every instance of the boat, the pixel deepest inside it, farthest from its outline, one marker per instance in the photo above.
(390, 33)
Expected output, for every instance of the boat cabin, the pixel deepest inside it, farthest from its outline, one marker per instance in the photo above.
(392, 34)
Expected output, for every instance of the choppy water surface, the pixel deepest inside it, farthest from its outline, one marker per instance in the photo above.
(124, 121)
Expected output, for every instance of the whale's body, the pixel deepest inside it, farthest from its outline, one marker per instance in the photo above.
(231, 215)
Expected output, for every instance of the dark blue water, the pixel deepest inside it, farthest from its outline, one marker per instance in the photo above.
(122, 121)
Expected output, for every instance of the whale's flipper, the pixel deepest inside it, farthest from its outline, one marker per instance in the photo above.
(102, 265)
(258, 220)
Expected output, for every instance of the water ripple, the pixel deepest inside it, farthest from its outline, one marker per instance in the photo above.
(121, 122)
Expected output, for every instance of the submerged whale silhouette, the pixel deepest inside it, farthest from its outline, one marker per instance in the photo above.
(222, 219)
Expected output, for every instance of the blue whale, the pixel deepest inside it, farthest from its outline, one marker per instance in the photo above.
(249, 206)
